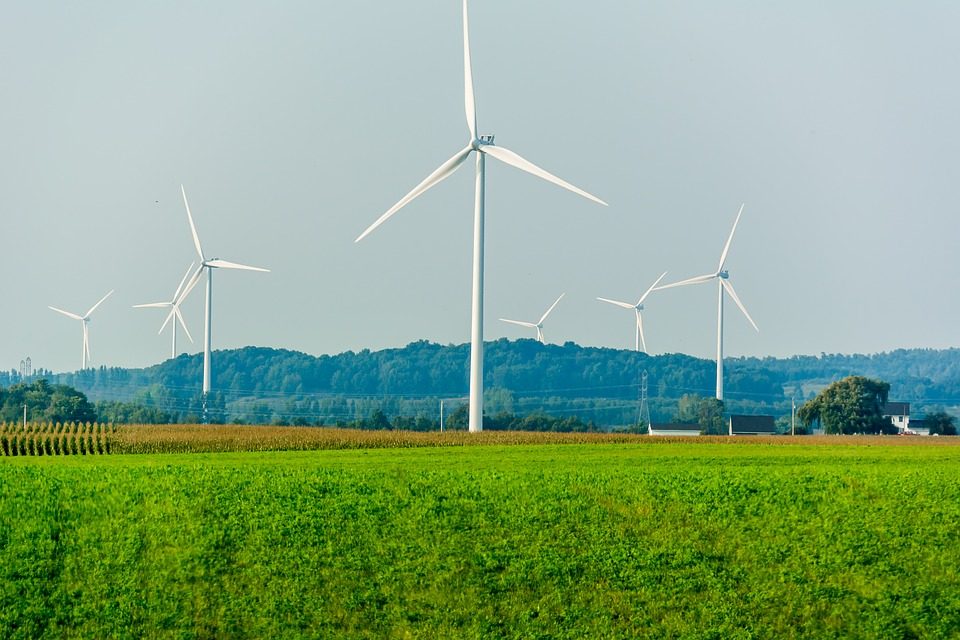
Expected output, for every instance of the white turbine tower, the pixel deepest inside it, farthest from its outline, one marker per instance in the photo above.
(175, 306)
(85, 321)
(637, 308)
(723, 282)
(208, 265)
(484, 146)
(536, 325)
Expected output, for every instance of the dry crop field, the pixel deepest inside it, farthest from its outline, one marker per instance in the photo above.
(97, 439)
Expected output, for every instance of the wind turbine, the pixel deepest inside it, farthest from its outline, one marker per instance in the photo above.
(175, 306)
(85, 321)
(637, 308)
(484, 146)
(208, 265)
(536, 325)
(723, 283)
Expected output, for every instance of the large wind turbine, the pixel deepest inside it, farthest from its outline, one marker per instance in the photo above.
(85, 321)
(637, 308)
(723, 282)
(207, 265)
(175, 306)
(484, 146)
(536, 325)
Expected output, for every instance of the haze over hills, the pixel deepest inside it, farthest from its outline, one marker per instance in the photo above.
(259, 384)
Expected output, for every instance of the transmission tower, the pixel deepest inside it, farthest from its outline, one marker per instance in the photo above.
(643, 410)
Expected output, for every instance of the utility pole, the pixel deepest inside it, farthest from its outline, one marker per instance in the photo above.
(793, 416)
(441, 415)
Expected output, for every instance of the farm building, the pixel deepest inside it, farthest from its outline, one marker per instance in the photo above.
(899, 415)
(674, 429)
(739, 425)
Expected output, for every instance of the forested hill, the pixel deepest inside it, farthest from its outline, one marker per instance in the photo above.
(521, 376)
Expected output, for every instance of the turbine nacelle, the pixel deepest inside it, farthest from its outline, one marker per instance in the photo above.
(482, 141)
(723, 274)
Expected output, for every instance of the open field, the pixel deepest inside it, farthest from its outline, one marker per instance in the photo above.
(791, 538)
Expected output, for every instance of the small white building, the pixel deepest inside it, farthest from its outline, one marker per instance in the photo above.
(899, 415)
(674, 429)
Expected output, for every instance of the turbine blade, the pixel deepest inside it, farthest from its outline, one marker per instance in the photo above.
(186, 290)
(153, 305)
(442, 172)
(94, 307)
(643, 341)
(182, 280)
(652, 287)
(726, 247)
(224, 264)
(67, 313)
(173, 312)
(540, 337)
(470, 103)
(683, 283)
(544, 316)
(193, 228)
(625, 305)
(183, 324)
(505, 155)
(733, 294)
(529, 325)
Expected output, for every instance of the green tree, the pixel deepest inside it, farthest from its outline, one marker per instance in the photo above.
(706, 412)
(710, 417)
(852, 405)
(941, 423)
(378, 420)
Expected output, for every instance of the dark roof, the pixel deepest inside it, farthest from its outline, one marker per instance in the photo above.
(675, 426)
(896, 409)
(752, 424)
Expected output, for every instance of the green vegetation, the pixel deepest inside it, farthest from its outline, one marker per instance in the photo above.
(941, 423)
(55, 439)
(263, 386)
(620, 540)
(706, 412)
(45, 403)
(848, 406)
(273, 386)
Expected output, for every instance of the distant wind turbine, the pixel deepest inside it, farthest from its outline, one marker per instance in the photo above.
(484, 146)
(175, 306)
(723, 282)
(536, 325)
(637, 308)
(85, 321)
(207, 265)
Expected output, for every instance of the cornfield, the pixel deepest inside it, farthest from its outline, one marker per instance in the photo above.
(229, 438)
(56, 439)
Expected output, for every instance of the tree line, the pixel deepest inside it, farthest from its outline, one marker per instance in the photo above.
(522, 377)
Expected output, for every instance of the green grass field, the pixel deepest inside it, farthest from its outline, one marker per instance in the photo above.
(660, 540)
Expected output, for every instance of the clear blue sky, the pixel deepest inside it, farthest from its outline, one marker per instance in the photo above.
(295, 126)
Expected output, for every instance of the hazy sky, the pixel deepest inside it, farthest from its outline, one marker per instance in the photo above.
(294, 125)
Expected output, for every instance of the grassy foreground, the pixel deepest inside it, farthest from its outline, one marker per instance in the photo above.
(660, 540)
